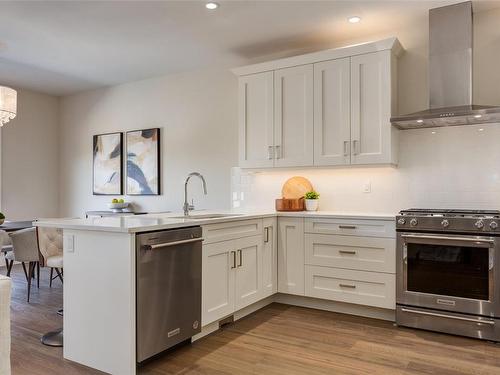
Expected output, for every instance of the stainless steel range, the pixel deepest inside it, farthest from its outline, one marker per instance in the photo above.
(448, 271)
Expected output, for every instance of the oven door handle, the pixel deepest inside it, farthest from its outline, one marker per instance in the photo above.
(481, 321)
(446, 238)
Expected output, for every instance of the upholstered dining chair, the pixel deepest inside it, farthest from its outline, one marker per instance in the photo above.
(25, 250)
(5, 246)
(50, 244)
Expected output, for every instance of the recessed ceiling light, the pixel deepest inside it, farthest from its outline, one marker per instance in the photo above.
(354, 19)
(420, 121)
(481, 129)
(478, 116)
(433, 132)
(211, 6)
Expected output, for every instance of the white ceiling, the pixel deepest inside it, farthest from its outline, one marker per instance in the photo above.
(62, 47)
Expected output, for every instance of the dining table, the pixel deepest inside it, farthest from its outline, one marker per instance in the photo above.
(12, 226)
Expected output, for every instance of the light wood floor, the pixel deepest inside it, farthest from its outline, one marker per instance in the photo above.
(278, 339)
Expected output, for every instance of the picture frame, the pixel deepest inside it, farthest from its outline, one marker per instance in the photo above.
(143, 161)
(107, 164)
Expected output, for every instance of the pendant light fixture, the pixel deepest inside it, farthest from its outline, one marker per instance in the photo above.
(8, 104)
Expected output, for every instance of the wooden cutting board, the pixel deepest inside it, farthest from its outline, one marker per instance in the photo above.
(296, 187)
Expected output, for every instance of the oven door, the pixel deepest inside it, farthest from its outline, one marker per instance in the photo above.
(448, 272)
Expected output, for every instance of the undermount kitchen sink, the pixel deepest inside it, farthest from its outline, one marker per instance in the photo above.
(206, 216)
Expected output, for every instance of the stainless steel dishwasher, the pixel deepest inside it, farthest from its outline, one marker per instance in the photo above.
(168, 289)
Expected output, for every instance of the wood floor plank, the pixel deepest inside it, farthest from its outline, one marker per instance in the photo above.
(276, 340)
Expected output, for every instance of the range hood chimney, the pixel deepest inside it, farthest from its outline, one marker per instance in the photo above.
(450, 74)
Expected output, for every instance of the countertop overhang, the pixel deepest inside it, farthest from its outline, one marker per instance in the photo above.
(151, 222)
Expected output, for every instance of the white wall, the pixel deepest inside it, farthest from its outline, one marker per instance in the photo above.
(196, 113)
(30, 159)
(453, 168)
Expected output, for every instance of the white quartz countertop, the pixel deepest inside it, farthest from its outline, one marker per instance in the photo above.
(149, 222)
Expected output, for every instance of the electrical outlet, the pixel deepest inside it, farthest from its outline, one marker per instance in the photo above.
(367, 187)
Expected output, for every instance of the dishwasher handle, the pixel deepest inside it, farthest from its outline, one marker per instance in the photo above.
(169, 244)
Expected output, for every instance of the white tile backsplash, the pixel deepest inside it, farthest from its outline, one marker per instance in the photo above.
(455, 167)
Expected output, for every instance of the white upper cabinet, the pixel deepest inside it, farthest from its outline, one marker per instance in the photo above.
(325, 108)
(293, 116)
(371, 90)
(256, 134)
(332, 128)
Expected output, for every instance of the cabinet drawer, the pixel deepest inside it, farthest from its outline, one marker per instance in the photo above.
(359, 287)
(357, 253)
(351, 227)
(231, 230)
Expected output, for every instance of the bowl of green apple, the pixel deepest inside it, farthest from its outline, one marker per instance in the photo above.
(118, 205)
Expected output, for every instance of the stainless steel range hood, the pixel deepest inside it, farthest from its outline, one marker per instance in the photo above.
(450, 74)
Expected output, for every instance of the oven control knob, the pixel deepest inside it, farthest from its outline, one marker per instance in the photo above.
(493, 225)
(401, 221)
(413, 222)
(479, 224)
(445, 223)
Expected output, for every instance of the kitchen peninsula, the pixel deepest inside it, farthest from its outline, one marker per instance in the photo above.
(241, 256)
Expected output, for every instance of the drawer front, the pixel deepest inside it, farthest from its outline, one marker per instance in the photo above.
(352, 227)
(359, 287)
(231, 230)
(356, 253)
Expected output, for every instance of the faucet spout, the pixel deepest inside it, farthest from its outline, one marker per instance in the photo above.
(188, 207)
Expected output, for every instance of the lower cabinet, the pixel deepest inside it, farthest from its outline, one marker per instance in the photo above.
(291, 255)
(297, 256)
(248, 271)
(270, 257)
(360, 287)
(217, 281)
(238, 272)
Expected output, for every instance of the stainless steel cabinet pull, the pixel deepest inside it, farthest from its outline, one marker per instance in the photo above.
(350, 286)
(355, 145)
(347, 252)
(233, 254)
(266, 234)
(168, 244)
(277, 151)
(490, 322)
(347, 226)
(270, 152)
(346, 148)
(240, 257)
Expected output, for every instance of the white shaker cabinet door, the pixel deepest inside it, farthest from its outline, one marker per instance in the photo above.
(291, 255)
(256, 116)
(371, 130)
(248, 275)
(332, 127)
(293, 116)
(269, 257)
(219, 263)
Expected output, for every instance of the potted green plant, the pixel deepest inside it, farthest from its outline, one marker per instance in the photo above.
(312, 200)
(2, 218)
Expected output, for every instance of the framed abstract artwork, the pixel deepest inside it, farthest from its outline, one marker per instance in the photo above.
(108, 164)
(143, 162)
